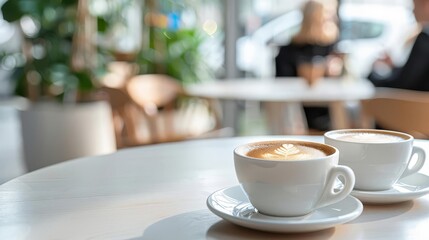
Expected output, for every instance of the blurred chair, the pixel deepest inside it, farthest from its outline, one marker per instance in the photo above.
(398, 109)
(118, 74)
(125, 115)
(170, 114)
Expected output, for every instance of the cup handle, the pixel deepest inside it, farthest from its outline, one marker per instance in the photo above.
(421, 156)
(330, 195)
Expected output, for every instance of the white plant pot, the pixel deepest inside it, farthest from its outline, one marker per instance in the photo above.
(53, 132)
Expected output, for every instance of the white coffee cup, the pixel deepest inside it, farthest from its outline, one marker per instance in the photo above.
(293, 187)
(379, 158)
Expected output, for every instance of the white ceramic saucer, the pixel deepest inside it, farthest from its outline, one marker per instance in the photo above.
(233, 205)
(408, 188)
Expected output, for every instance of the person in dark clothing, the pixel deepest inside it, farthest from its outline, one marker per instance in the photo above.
(291, 55)
(414, 74)
(314, 45)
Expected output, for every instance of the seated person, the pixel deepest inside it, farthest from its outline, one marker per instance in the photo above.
(414, 74)
(313, 44)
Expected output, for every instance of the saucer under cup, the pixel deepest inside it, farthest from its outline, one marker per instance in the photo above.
(232, 205)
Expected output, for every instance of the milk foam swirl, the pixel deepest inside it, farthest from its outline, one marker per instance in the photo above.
(368, 137)
(292, 152)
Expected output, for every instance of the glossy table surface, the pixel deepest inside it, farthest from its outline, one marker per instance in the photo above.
(160, 192)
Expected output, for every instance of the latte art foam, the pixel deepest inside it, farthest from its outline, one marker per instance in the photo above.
(286, 152)
(368, 137)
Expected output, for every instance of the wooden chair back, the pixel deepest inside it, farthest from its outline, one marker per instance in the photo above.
(398, 109)
(154, 90)
(171, 115)
(127, 116)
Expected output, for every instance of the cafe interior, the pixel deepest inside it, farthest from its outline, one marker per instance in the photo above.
(164, 72)
(87, 79)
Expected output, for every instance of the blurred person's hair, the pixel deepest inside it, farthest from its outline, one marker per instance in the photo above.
(318, 25)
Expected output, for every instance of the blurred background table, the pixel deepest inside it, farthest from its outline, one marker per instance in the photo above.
(283, 99)
(160, 192)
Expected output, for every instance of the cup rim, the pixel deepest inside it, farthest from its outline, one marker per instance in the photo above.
(236, 150)
(405, 136)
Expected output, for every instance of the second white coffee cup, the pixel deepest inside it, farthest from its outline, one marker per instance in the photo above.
(379, 158)
(291, 178)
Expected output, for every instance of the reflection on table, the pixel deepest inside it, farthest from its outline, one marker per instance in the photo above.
(283, 98)
(160, 192)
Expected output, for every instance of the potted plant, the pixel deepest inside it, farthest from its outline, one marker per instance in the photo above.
(58, 64)
(57, 59)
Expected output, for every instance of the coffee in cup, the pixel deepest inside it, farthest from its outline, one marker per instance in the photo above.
(379, 158)
(287, 151)
(368, 137)
(290, 177)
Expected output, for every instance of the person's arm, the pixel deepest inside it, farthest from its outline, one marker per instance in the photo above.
(383, 71)
(413, 74)
(334, 61)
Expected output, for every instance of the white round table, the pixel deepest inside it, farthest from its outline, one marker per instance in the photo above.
(160, 192)
(283, 98)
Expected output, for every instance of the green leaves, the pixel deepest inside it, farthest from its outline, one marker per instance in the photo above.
(13, 10)
(102, 24)
(175, 53)
(49, 49)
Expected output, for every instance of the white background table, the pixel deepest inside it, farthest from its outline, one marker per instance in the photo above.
(160, 192)
(283, 98)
